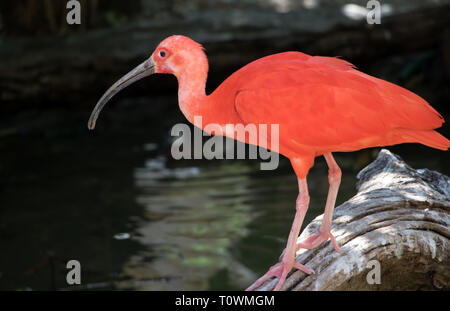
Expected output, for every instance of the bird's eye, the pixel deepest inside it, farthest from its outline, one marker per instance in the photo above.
(162, 53)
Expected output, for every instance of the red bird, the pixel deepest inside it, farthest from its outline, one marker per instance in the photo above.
(322, 105)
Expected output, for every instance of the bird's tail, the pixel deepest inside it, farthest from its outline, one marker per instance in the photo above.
(428, 138)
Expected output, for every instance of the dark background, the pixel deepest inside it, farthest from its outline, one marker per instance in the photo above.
(113, 198)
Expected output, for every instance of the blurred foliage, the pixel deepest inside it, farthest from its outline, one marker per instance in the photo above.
(48, 17)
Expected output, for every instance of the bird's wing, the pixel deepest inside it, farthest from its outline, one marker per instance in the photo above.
(329, 103)
(310, 114)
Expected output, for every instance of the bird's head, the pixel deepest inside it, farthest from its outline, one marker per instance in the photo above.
(177, 55)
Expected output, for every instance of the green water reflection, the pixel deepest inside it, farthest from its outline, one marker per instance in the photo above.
(136, 219)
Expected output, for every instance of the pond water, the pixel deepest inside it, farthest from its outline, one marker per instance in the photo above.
(114, 200)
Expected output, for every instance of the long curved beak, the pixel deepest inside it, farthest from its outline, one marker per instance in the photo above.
(143, 70)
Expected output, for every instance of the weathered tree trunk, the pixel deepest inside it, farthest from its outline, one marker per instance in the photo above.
(398, 221)
(49, 70)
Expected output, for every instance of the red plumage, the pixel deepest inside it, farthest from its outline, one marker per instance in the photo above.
(324, 104)
(321, 104)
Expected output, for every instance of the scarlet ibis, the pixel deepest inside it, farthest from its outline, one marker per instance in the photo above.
(321, 104)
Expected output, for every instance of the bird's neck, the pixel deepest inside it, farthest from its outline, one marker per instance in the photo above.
(191, 87)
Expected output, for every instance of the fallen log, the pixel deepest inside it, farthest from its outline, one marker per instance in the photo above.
(394, 234)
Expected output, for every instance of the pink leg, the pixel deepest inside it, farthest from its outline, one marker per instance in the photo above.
(334, 178)
(280, 270)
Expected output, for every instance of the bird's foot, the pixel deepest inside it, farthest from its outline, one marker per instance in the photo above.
(280, 271)
(315, 240)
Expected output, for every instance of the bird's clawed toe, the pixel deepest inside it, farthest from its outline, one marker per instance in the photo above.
(315, 240)
(280, 271)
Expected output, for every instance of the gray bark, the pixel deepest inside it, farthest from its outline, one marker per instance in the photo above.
(400, 217)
